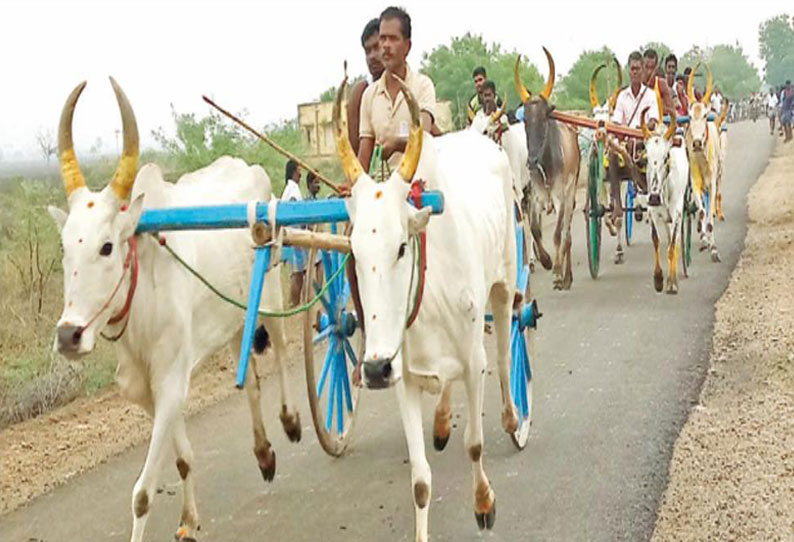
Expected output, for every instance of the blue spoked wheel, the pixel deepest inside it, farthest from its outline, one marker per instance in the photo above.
(333, 344)
(630, 201)
(522, 342)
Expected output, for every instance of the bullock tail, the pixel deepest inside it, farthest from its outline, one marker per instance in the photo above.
(261, 339)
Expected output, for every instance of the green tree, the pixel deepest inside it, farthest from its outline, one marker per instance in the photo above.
(450, 67)
(776, 42)
(732, 71)
(199, 141)
(574, 87)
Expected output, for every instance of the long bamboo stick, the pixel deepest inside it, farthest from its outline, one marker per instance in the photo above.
(585, 122)
(278, 148)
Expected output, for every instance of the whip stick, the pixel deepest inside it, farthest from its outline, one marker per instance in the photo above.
(276, 146)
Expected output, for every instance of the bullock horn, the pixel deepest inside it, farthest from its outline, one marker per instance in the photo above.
(413, 147)
(70, 169)
(644, 127)
(659, 103)
(552, 74)
(723, 114)
(523, 92)
(594, 101)
(470, 113)
(350, 164)
(619, 70)
(668, 135)
(709, 87)
(499, 112)
(128, 164)
(614, 99)
(690, 93)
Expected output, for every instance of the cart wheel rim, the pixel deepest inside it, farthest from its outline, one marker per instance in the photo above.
(333, 344)
(522, 351)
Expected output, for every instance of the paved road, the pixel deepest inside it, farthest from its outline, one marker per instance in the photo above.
(618, 368)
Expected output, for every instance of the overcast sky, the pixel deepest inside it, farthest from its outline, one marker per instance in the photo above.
(269, 56)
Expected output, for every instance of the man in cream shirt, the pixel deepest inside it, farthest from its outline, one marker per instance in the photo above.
(385, 119)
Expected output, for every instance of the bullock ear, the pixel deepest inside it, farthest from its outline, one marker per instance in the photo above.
(128, 220)
(59, 216)
(418, 219)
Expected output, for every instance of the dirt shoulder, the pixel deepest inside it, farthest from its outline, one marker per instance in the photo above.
(732, 471)
(45, 452)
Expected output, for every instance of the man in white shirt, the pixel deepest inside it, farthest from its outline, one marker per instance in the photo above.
(631, 103)
(771, 110)
(292, 192)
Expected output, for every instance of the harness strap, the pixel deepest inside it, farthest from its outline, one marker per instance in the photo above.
(131, 261)
(416, 194)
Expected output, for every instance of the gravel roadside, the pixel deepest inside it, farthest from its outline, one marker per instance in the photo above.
(732, 471)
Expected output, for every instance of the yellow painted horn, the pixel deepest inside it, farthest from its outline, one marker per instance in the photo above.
(124, 177)
(413, 148)
(613, 100)
(70, 169)
(350, 164)
(523, 92)
(552, 74)
(723, 114)
(499, 112)
(470, 113)
(659, 103)
(644, 127)
(668, 135)
(594, 101)
(709, 87)
(690, 92)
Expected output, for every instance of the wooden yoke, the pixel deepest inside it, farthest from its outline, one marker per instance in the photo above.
(584, 122)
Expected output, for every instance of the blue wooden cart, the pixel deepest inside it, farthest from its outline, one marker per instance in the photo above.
(333, 338)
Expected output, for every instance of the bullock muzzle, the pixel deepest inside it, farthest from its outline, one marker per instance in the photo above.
(377, 374)
(697, 145)
(654, 200)
(68, 340)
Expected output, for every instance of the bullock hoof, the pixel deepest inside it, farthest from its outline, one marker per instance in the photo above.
(267, 464)
(439, 442)
(182, 535)
(658, 282)
(545, 261)
(715, 256)
(486, 520)
(672, 290)
(510, 420)
(291, 424)
(619, 257)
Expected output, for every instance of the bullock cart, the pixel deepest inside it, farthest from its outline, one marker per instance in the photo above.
(333, 335)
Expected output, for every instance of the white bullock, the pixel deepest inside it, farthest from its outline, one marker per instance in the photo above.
(703, 145)
(163, 320)
(722, 128)
(471, 260)
(667, 175)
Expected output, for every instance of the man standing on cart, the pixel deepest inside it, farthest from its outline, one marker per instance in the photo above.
(625, 157)
(384, 117)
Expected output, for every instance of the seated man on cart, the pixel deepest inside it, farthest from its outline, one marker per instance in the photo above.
(625, 157)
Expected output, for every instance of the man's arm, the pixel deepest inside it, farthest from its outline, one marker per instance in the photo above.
(667, 98)
(353, 110)
(365, 148)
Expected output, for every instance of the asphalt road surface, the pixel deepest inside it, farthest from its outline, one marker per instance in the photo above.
(618, 367)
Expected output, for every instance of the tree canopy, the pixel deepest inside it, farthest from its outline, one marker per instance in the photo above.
(451, 66)
(733, 73)
(776, 41)
(573, 91)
